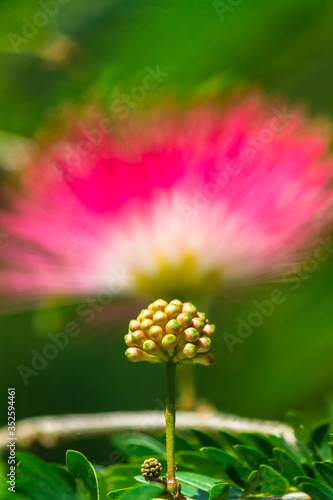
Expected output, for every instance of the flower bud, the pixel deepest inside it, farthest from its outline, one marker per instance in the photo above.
(128, 340)
(158, 305)
(209, 330)
(177, 303)
(134, 324)
(203, 359)
(145, 313)
(204, 344)
(156, 333)
(189, 309)
(151, 469)
(189, 351)
(149, 346)
(202, 316)
(185, 319)
(138, 337)
(169, 341)
(174, 327)
(146, 324)
(191, 334)
(172, 310)
(160, 318)
(198, 324)
(135, 354)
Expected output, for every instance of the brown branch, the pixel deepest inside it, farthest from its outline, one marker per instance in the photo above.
(48, 430)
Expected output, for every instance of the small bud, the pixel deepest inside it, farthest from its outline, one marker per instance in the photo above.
(145, 313)
(169, 341)
(189, 309)
(128, 340)
(135, 354)
(189, 351)
(173, 326)
(172, 310)
(134, 324)
(184, 319)
(202, 316)
(156, 333)
(138, 337)
(158, 305)
(198, 323)
(204, 344)
(191, 334)
(151, 469)
(209, 330)
(149, 346)
(203, 359)
(177, 303)
(160, 318)
(146, 324)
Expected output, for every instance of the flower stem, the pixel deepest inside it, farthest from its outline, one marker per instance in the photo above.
(170, 419)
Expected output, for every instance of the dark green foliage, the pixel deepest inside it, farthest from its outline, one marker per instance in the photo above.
(233, 466)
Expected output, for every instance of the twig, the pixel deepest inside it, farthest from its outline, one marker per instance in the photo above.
(48, 430)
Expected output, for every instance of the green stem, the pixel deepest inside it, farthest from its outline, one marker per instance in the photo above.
(170, 420)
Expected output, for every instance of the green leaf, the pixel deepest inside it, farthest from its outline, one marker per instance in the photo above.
(326, 470)
(62, 471)
(121, 470)
(196, 460)
(206, 439)
(250, 455)
(183, 443)
(118, 493)
(229, 464)
(138, 444)
(302, 432)
(252, 483)
(82, 470)
(288, 465)
(36, 479)
(262, 443)
(116, 477)
(317, 491)
(320, 432)
(271, 481)
(197, 486)
(229, 440)
(219, 492)
(141, 492)
(306, 479)
(200, 481)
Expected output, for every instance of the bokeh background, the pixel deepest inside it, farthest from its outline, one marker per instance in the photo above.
(90, 50)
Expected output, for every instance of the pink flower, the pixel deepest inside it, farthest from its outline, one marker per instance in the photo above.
(203, 197)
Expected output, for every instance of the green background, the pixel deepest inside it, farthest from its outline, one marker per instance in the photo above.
(282, 46)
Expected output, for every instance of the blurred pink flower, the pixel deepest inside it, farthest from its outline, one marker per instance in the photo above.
(214, 195)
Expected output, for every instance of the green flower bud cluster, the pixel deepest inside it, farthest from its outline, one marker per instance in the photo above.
(173, 331)
(151, 469)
